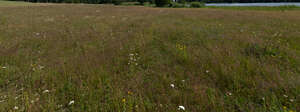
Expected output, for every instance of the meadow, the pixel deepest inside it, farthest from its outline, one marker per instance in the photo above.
(106, 58)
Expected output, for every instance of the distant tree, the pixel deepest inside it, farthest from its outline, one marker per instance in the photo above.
(142, 1)
(162, 3)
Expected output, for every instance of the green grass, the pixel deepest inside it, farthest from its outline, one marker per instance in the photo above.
(115, 58)
(262, 8)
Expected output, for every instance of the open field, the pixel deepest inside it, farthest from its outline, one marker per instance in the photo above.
(114, 58)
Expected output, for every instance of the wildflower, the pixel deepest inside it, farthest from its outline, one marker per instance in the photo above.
(207, 71)
(285, 96)
(4, 67)
(161, 105)
(136, 64)
(181, 107)
(1, 101)
(182, 80)
(37, 34)
(16, 107)
(46, 91)
(172, 85)
(123, 100)
(129, 92)
(229, 94)
(291, 111)
(263, 98)
(32, 101)
(291, 100)
(71, 102)
(284, 107)
(16, 97)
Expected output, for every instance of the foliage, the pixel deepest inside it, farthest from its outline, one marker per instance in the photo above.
(177, 5)
(142, 1)
(162, 3)
(117, 2)
(197, 4)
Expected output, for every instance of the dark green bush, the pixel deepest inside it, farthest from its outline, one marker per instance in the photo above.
(197, 4)
(142, 1)
(162, 3)
(117, 2)
(181, 1)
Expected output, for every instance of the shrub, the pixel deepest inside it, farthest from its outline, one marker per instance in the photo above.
(177, 5)
(142, 1)
(197, 4)
(117, 2)
(162, 3)
(181, 1)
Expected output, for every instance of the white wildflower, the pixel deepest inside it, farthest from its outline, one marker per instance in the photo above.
(2, 101)
(285, 96)
(46, 91)
(263, 98)
(181, 107)
(4, 67)
(71, 102)
(16, 107)
(32, 101)
(291, 100)
(182, 80)
(172, 85)
(229, 94)
(207, 71)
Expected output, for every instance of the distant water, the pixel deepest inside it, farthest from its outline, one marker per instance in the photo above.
(252, 4)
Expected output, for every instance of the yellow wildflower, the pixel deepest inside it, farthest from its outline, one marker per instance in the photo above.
(284, 107)
(129, 92)
(123, 100)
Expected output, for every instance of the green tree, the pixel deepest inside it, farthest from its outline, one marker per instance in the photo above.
(162, 3)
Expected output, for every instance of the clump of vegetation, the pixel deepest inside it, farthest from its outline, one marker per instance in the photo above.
(162, 3)
(177, 5)
(117, 2)
(142, 1)
(197, 4)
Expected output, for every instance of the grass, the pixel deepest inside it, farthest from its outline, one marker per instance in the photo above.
(274, 8)
(6, 3)
(117, 58)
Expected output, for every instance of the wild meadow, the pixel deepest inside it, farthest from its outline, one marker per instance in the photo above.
(105, 58)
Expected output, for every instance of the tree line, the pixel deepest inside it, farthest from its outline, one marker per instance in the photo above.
(112, 1)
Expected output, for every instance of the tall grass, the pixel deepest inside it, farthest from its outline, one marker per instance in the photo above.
(112, 58)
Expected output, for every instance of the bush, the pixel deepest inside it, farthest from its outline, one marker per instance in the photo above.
(162, 3)
(177, 5)
(181, 1)
(117, 2)
(142, 1)
(197, 4)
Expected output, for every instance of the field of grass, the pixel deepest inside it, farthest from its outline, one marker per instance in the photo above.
(88, 58)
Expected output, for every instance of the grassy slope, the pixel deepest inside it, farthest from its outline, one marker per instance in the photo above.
(218, 60)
